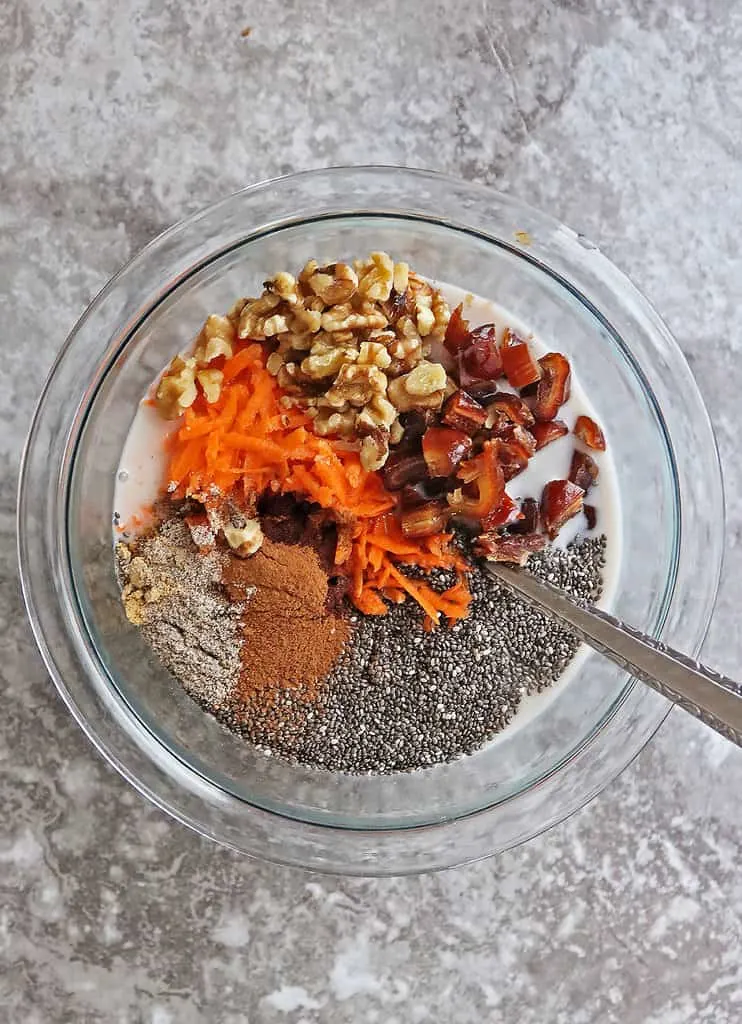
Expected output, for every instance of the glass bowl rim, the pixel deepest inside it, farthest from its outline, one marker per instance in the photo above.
(192, 222)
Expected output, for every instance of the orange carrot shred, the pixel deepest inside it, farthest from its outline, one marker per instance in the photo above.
(248, 440)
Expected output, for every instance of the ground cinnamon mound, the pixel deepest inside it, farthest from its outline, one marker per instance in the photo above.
(291, 641)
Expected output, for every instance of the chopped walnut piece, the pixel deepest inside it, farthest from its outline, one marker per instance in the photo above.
(379, 412)
(292, 378)
(400, 277)
(305, 320)
(425, 379)
(176, 391)
(334, 284)
(374, 353)
(344, 318)
(425, 320)
(376, 278)
(284, 286)
(216, 339)
(254, 314)
(356, 385)
(234, 313)
(244, 540)
(406, 348)
(328, 422)
(327, 363)
(211, 383)
(374, 449)
(276, 324)
(427, 391)
(441, 315)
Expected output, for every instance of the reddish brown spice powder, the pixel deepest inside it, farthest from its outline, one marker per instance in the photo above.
(291, 641)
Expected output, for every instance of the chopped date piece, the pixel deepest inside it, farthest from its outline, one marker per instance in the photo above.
(483, 470)
(591, 515)
(464, 413)
(560, 501)
(506, 513)
(511, 337)
(404, 468)
(481, 358)
(505, 409)
(583, 470)
(519, 365)
(425, 520)
(529, 518)
(414, 425)
(590, 433)
(506, 548)
(512, 459)
(413, 495)
(444, 448)
(483, 391)
(519, 435)
(547, 431)
(554, 386)
(457, 331)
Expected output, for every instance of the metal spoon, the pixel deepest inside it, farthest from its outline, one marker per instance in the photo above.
(703, 693)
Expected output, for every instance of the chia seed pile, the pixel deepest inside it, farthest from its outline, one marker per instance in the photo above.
(401, 698)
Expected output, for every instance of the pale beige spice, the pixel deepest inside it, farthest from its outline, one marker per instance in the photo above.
(174, 594)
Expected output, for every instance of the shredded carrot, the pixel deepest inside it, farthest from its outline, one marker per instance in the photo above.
(421, 592)
(248, 442)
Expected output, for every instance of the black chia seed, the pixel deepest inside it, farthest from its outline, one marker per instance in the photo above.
(401, 698)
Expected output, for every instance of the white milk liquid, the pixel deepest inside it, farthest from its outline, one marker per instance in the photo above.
(141, 474)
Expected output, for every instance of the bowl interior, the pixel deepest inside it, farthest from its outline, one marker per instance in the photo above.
(564, 320)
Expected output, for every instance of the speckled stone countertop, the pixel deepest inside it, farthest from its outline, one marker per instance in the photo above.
(117, 119)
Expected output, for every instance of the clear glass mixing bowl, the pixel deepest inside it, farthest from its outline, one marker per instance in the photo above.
(140, 718)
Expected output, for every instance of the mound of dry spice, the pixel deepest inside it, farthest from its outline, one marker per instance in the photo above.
(235, 631)
(340, 461)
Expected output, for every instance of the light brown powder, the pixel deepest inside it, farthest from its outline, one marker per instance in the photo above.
(290, 640)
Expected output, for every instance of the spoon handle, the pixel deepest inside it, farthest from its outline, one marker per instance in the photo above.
(703, 693)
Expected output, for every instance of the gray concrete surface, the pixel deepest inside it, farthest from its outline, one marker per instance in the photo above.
(621, 117)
